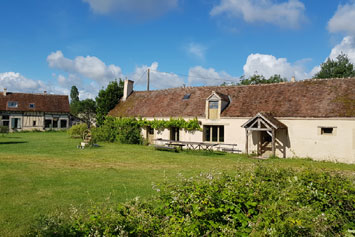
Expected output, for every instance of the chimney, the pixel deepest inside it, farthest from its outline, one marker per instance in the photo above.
(45, 92)
(5, 91)
(127, 89)
(293, 79)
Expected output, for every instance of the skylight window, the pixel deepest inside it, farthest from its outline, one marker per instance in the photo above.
(12, 104)
(32, 106)
(186, 96)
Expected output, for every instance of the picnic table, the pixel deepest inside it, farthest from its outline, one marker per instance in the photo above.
(189, 145)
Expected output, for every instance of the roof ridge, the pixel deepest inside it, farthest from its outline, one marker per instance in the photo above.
(254, 85)
(22, 93)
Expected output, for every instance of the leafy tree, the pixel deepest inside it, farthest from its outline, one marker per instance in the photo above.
(87, 111)
(74, 94)
(74, 101)
(107, 99)
(341, 67)
(260, 79)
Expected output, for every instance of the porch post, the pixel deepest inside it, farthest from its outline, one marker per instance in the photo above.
(246, 143)
(273, 142)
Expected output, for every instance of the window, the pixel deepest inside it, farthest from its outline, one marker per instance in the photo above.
(63, 123)
(32, 106)
(15, 123)
(326, 131)
(213, 104)
(174, 134)
(150, 130)
(213, 133)
(12, 104)
(5, 117)
(5, 123)
(34, 123)
(186, 96)
(47, 123)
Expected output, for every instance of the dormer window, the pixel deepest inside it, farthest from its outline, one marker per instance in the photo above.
(215, 104)
(12, 104)
(32, 106)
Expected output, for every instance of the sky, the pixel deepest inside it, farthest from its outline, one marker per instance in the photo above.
(53, 45)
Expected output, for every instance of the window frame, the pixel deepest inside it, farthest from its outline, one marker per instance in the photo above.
(12, 104)
(214, 131)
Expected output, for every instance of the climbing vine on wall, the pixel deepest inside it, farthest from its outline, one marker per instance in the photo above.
(188, 125)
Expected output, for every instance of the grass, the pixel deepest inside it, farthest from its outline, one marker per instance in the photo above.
(41, 173)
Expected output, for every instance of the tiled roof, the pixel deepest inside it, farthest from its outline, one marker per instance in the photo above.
(308, 98)
(42, 102)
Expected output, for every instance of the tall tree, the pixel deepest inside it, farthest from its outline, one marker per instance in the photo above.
(107, 99)
(74, 94)
(338, 68)
(74, 101)
(260, 79)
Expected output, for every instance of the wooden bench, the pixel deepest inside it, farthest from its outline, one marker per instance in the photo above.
(165, 148)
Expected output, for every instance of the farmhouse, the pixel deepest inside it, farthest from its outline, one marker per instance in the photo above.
(23, 111)
(310, 118)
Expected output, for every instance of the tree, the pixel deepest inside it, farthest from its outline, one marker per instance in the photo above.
(341, 67)
(107, 99)
(260, 79)
(74, 94)
(87, 111)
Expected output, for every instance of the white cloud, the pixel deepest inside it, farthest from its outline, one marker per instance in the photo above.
(343, 19)
(269, 65)
(14, 81)
(208, 76)
(89, 67)
(148, 8)
(196, 50)
(347, 46)
(158, 80)
(288, 14)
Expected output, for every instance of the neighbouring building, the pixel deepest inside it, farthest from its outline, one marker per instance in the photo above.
(311, 118)
(24, 111)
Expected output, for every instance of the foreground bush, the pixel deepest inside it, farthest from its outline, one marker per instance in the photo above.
(78, 130)
(266, 202)
(4, 129)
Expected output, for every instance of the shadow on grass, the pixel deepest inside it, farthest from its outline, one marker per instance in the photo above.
(10, 143)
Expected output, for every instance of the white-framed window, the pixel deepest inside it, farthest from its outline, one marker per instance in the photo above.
(12, 104)
(213, 133)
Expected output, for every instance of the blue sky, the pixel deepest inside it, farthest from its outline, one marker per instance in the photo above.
(52, 45)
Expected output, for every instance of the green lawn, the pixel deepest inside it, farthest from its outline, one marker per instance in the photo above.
(42, 173)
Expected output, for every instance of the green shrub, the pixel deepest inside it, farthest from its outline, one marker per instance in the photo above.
(4, 129)
(78, 130)
(122, 130)
(265, 202)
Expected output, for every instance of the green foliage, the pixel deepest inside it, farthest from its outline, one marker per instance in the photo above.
(78, 130)
(339, 68)
(4, 129)
(266, 202)
(74, 94)
(122, 130)
(190, 125)
(260, 79)
(87, 110)
(107, 99)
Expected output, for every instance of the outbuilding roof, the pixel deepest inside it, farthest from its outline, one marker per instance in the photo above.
(308, 98)
(42, 102)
